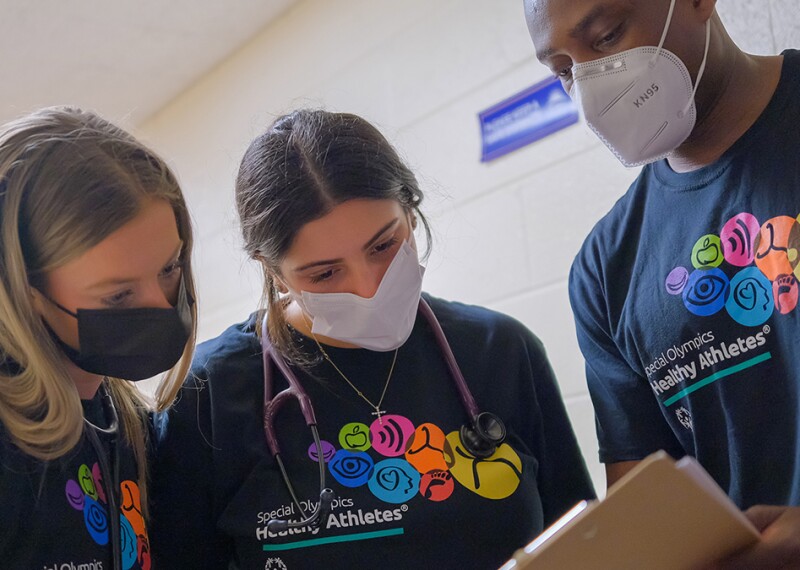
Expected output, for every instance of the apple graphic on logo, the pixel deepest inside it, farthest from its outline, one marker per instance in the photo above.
(355, 437)
(708, 253)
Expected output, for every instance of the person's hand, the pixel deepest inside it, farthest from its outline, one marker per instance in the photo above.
(779, 546)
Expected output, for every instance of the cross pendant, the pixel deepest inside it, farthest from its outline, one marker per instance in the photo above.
(378, 412)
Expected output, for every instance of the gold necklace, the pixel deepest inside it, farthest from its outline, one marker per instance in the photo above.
(378, 412)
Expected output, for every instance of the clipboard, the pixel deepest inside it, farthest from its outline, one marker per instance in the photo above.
(662, 515)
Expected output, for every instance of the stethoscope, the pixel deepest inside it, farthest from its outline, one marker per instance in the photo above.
(480, 437)
(110, 432)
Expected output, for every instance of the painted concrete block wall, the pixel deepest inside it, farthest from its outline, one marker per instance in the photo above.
(505, 232)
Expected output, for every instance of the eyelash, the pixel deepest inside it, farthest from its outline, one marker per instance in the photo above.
(379, 249)
(117, 299)
(172, 268)
(610, 38)
(168, 272)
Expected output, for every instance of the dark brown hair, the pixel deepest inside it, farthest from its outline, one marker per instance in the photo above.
(304, 165)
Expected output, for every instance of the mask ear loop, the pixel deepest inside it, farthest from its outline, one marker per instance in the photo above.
(699, 71)
(663, 34)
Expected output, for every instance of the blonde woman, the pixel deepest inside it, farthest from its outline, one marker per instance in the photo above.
(95, 293)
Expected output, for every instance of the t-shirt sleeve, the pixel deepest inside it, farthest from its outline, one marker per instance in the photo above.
(629, 421)
(183, 518)
(563, 479)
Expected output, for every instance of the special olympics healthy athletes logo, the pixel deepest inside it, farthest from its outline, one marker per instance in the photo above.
(749, 269)
(397, 461)
(86, 494)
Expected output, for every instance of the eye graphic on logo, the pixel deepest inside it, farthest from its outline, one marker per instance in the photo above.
(327, 451)
(676, 280)
(354, 436)
(750, 303)
(351, 468)
(707, 252)
(96, 519)
(738, 238)
(391, 435)
(706, 292)
(394, 481)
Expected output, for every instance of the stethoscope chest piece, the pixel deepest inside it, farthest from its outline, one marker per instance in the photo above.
(482, 436)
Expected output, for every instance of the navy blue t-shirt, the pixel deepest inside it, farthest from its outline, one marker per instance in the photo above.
(56, 513)
(407, 493)
(685, 297)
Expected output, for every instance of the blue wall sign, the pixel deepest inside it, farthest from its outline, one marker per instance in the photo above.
(526, 117)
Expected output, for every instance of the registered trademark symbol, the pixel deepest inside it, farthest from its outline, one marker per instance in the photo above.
(404, 507)
(766, 329)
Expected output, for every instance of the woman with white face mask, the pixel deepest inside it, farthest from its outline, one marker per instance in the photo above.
(95, 289)
(416, 456)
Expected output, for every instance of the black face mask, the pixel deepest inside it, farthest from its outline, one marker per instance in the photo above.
(132, 344)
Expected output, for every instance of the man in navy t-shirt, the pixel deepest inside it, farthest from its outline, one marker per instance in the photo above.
(686, 294)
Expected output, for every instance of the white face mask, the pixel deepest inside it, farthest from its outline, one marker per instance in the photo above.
(381, 323)
(640, 102)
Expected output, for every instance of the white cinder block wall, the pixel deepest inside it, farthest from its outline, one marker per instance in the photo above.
(506, 231)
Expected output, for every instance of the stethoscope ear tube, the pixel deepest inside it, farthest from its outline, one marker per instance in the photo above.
(485, 430)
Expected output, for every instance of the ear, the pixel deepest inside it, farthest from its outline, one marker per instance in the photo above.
(704, 9)
(279, 284)
(38, 301)
(412, 218)
(269, 274)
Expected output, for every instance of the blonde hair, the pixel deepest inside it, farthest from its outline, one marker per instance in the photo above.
(68, 179)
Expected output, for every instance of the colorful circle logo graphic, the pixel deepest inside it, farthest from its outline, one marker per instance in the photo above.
(390, 435)
(351, 468)
(394, 481)
(750, 302)
(777, 246)
(437, 485)
(328, 451)
(354, 436)
(426, 449)
(706, 292)
(676, 280)
(738, 238)
(785, 293)
(707, 252)
(495, 477)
